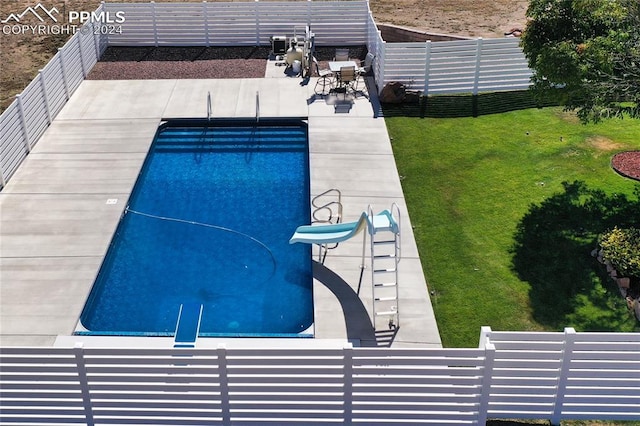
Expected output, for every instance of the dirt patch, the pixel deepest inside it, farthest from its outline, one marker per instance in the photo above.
(21, 56)
(603, 144)
(477, 18)
(568, 116)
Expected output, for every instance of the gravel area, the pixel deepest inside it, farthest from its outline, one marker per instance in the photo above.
(150, 70)
(147, 63)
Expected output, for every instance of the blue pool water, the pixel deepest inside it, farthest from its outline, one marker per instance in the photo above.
(208, 224)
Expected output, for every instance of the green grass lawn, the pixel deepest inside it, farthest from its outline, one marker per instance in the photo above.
(502, 241)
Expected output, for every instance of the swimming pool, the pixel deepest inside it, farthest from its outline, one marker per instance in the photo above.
(208, 224)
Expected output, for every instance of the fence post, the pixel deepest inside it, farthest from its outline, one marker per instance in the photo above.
(64, 73)
(84, 385)
(487, 378)
(205, 15)
(106, 35)
(427, 69)
(370, 28)
(84, 70)
(3, 138)
(378, 62)
(43, 84)
(485, 335)
(567, 353)
(96, 39)
(476, 76)
(383, 53)
(348, 383)
(256, 4)
(155, 24)
(23, 122)
(224, 384)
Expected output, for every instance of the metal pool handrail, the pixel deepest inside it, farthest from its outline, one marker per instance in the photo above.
(257, 107)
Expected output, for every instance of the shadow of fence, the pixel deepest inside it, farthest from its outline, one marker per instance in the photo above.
(465, 105)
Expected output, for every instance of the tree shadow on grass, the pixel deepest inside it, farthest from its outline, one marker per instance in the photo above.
(552, 249)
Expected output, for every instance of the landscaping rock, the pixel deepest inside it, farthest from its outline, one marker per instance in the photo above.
(624, 282)
(393, 93)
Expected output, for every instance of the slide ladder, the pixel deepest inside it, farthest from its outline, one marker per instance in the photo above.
(385, 256)
(327, 209)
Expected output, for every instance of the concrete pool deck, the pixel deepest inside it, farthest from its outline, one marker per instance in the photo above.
(60, 209)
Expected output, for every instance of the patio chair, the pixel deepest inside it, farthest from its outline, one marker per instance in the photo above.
(368, 64)
(347, 79)
(325, 79)
(341, 55)
(363, 70)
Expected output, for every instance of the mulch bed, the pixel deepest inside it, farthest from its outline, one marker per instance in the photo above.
(627, 163)
(151, 63)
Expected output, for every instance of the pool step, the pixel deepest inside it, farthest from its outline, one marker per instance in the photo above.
(230, 137)
(188, 325)
(184, 146)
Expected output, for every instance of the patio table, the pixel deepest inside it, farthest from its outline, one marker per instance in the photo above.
(335, 66)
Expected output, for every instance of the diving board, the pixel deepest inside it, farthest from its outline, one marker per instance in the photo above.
(188, 325)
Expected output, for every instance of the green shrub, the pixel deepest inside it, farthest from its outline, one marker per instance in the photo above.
(621, 247)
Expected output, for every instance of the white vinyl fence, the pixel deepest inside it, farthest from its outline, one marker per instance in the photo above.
(568, 375)
(518, 375)
(461, 66)
(376, 46)
(334, 23)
